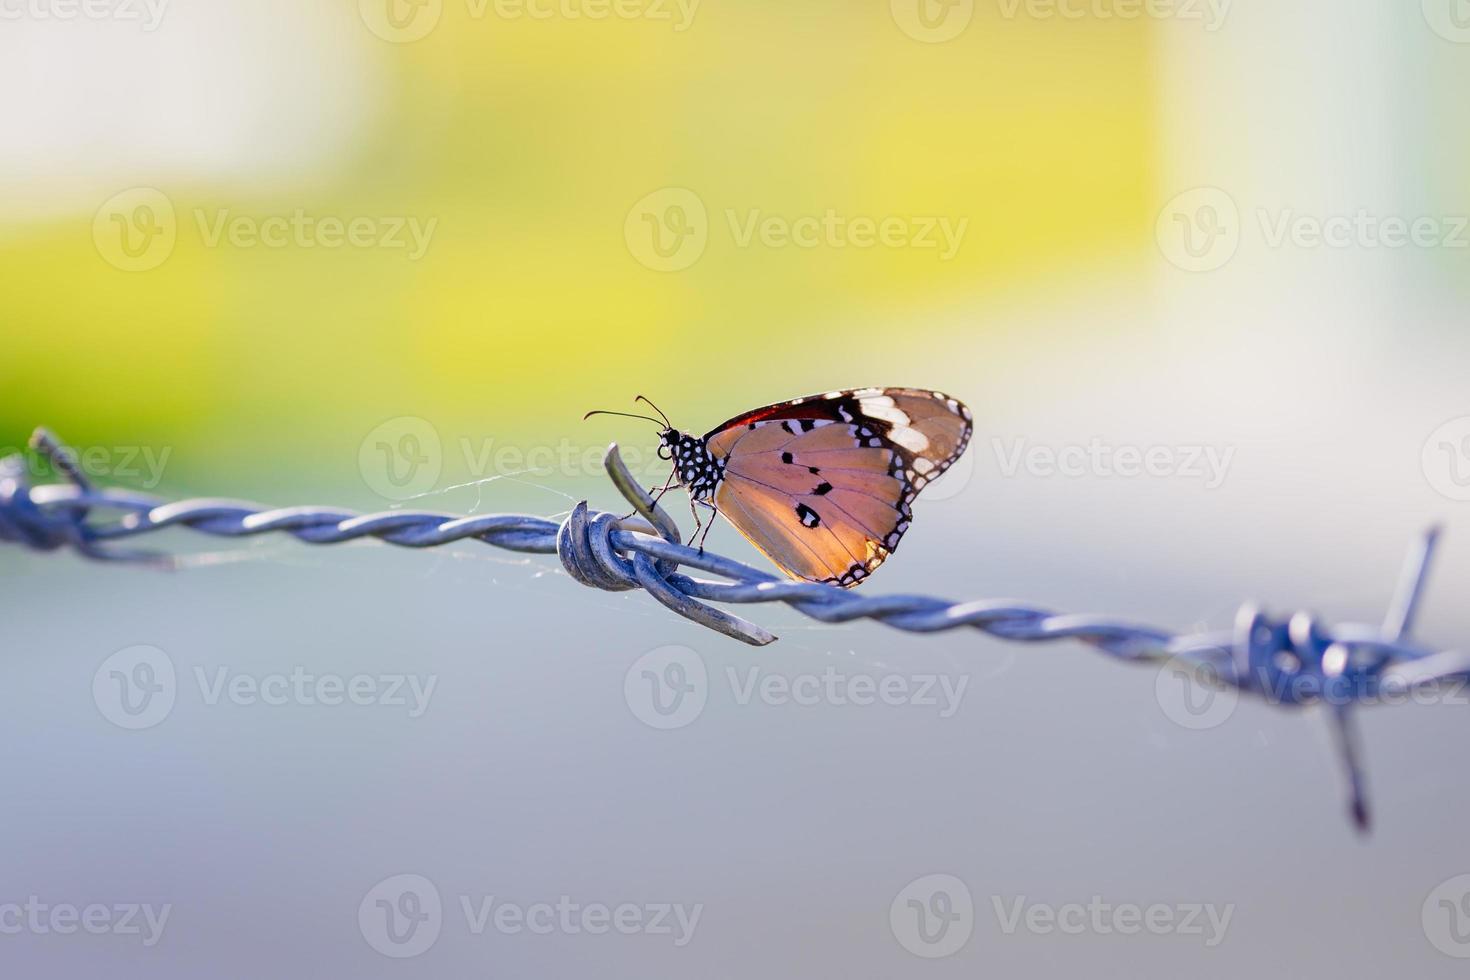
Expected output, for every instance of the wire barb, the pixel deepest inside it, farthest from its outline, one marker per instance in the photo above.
(1293, 662)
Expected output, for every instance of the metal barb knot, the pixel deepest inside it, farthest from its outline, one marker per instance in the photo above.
(607, 553)
(24, 523)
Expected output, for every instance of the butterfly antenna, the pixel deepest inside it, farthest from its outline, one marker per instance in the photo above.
(626, 415)
(660, 411)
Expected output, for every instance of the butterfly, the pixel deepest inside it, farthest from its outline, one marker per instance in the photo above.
(822, 485)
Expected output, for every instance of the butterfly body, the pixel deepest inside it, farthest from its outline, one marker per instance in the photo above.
(698, 470)
(823, 485)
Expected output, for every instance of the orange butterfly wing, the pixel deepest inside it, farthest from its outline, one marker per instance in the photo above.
(823, 485)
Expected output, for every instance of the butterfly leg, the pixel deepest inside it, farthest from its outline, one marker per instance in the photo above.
(698, 521)
(657, 493)
(713, 513)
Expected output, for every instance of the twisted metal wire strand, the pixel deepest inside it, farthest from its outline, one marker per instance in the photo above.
(1293, 661)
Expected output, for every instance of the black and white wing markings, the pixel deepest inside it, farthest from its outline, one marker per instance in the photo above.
(848, 463)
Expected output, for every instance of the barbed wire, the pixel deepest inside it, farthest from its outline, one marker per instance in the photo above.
(1291, 661)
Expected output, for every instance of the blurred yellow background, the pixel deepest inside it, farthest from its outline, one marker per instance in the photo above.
(519, 146)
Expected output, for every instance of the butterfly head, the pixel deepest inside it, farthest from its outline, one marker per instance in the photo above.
(670, 442)
(694, 466)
